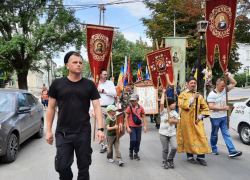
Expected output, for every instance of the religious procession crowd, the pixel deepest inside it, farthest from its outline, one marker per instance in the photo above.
(79, 98)
(182, 131)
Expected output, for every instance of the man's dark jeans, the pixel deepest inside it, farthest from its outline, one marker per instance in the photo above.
(135, 139)
(66, 145)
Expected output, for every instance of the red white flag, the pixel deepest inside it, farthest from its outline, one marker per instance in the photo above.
(99, 45)
(220, 15)
(160, 64)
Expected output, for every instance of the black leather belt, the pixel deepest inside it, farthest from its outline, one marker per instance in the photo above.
(104, 106)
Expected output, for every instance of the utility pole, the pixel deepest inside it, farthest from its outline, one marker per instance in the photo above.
(102, 10)
(174, 22)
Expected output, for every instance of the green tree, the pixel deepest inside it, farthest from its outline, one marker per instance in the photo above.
(29, 28)
(188, 13)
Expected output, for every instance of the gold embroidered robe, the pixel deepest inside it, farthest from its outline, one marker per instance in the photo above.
(191, 138)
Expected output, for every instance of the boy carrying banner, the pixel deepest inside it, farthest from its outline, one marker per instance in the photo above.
(167, 131)
(134, 116)
(111, 126)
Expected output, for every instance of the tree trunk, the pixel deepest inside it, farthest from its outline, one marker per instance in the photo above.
(22, 80)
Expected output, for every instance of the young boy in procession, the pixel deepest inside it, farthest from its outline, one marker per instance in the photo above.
(111, 126)
(167, 131)
(135, 114)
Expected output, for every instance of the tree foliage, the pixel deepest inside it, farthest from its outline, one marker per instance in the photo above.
(188, 13)
(241, 79)
(31, 30)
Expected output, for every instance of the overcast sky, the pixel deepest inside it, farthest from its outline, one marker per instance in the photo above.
(123, 16)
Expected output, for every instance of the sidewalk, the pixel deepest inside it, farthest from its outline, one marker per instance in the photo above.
(238, 98)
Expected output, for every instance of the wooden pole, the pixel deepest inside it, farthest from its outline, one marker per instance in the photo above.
(161, 44)
(198, 76)
(112, 69)
(167, 107)
(116, 122)
(157, 46)
(94, 130)
(227, 102)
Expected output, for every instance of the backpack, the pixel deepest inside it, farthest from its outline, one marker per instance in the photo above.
(135, 118)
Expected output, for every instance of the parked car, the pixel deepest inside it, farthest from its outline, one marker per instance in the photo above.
(240, 120)
(21, 116)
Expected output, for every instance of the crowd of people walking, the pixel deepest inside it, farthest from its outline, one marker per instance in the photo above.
(179, 129)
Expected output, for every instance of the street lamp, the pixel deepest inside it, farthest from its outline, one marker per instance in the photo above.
(202, 29)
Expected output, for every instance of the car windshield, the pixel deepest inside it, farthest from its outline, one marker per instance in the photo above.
(6, 102)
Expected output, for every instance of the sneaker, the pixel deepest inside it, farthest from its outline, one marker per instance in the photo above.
(192, 161)
(111, 160)
(201, 161)
(103, 149)
(136, 157)
(120, 163)
(131, 154)
(171, 163)
(165, 165)
(215, 153)
(238, 153)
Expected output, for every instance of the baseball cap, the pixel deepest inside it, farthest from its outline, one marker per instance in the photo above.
(134, 97)
(111, 108)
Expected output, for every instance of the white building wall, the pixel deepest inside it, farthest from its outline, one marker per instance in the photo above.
(244, 56)
(35, 82)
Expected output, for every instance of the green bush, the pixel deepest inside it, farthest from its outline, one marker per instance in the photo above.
(241, 79)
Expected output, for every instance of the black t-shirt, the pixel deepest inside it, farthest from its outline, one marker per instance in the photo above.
(73, 100)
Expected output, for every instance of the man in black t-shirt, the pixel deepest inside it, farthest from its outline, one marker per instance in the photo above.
(73, 130)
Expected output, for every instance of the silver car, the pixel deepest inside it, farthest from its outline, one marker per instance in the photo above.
(21, 116)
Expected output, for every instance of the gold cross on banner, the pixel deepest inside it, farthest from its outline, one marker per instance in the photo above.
(211, 58)
(224, 59)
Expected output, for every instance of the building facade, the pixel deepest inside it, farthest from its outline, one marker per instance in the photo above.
(244, 56)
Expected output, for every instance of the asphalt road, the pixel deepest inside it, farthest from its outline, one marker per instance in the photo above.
(239, 92)
(36, 162)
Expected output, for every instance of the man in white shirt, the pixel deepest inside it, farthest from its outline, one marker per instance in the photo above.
(107, 92)
(218, 115)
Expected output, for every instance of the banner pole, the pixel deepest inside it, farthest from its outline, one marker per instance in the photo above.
(167, 107)
(116, 129)
(227, 103)
(198, 76)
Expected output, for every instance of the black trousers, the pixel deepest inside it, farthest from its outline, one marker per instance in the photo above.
(66, 145)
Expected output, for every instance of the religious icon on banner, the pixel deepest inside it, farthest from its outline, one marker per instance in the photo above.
(222, 23)
(220, 15)
(120, 123)
(175, 57)
(178, 49)
(99, 45)
(160, 66)
(147, 97)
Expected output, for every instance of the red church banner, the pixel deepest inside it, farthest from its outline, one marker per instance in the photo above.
(99, 45)
(160, 64)
(220, 15)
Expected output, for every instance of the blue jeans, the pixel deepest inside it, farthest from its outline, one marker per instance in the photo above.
(189, 156)
(222, 124)
(135, 139)
(46, 103)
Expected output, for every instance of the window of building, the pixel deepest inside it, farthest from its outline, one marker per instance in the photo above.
(248, 54)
